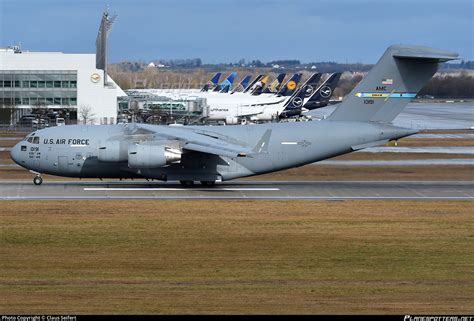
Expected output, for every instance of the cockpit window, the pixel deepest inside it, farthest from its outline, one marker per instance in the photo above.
(29, 138)
(36, 140)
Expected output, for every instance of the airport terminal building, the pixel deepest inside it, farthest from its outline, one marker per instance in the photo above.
(54, 81)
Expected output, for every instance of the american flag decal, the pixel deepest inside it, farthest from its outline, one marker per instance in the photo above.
(387, 81)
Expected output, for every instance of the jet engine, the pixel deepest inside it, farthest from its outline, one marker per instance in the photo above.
(230, 120)
(151, 156)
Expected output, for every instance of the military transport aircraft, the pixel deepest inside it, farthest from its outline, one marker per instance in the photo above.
(217, 153)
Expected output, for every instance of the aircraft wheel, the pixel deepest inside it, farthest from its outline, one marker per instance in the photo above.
(38, 180)
(187, 183)
(208, 183)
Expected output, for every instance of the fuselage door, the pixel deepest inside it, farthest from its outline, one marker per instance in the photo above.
(62, 163)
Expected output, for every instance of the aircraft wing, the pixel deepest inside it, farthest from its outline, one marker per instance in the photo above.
(200, 141)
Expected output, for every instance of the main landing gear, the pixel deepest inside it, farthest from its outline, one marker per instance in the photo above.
(208, 183)
(38, 180)
(191, 183)
(187, 183)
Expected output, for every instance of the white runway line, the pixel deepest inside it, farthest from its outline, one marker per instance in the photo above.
(248, 197)
(175, 189)
(250, 189)
(131, 189)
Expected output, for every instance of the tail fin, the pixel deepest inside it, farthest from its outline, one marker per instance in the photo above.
(259, 85)
(253, 83)
(310, 84)
(290, 86)
(274, 87)
(243, 84)
(294, 105)
(320, 97)
(225, 89)
(227, 82)
(396, 78)
(213, 82)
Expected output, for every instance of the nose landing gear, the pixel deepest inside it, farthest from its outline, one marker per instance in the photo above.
(38, 180)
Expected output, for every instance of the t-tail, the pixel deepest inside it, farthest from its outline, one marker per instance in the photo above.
(391, 84)
(294, 105)
(227, 83)
(311, 83)
(320, 97)
(212, 83)
(275, 86)
(290, 86)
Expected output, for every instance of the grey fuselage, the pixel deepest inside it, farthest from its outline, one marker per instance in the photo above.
(72, 150)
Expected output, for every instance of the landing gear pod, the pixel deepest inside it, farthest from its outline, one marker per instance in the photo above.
(208, 183)
(186, 183)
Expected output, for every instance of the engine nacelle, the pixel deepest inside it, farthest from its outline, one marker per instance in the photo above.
(151, 156)
(113, 151)
(230, 120)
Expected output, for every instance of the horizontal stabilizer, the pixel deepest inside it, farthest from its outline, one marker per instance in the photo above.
(424, 53)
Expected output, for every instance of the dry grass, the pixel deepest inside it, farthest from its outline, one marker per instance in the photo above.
(8, 133)
(7, 143)
(447, 131)
(438, 142)
(236, 257)
(400, 156)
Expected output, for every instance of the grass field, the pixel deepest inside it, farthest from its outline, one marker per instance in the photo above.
(236, 257)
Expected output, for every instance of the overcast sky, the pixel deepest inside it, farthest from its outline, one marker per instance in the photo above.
(228, 30)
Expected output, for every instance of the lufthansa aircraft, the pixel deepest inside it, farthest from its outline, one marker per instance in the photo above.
(217, 153)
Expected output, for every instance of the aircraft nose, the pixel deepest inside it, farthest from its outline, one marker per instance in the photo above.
(15, 153)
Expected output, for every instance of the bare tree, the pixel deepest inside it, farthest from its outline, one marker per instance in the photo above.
(85, 114)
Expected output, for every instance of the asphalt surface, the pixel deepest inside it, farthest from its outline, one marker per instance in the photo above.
(279, 190)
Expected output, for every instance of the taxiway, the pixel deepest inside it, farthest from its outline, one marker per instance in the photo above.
(251, 190)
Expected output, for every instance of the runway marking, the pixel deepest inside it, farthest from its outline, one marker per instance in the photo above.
(233, 198)
(251, 189)
(175, 189)
(131, 189)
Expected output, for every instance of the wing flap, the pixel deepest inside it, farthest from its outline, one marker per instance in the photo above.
(214, 150)
(199, 142)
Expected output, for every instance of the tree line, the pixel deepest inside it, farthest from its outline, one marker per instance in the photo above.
(442, 85)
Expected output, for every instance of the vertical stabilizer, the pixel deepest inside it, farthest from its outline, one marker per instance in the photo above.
(391, 84)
